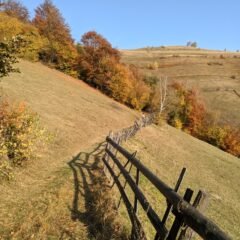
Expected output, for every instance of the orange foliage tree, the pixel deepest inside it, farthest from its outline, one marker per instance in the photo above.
(232, 141)
(97, 60)
(99, 65)
(60, 49)
(190, 115)
(189, 111)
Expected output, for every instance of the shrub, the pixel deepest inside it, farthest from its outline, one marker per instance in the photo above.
(224, 137)
(8, 52)
(153, 66)
(188, 110)
(20, 133)
(151, 80)
(215, 135)
(141, 92)
(232, 141)
(140, 95)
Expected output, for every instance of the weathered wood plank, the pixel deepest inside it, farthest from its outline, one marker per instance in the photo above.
(201, 202)
(138, 232)
(153, 217)
(178, 222)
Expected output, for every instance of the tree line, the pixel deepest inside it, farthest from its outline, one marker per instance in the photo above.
(92, 59)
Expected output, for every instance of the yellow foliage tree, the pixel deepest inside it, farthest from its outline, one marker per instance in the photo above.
(121, 84)
(10, 27)
(140, 94)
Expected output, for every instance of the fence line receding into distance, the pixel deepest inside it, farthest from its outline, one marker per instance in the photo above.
(188, 218)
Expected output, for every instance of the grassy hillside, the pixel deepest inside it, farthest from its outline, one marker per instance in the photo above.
(166, 151)
(44, 196)
(215, 73)
(80, 117)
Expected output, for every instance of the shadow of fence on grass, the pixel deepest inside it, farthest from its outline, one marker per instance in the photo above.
(90, 189)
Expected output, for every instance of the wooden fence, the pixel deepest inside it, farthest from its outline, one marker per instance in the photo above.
(126, 133)
(188, 219)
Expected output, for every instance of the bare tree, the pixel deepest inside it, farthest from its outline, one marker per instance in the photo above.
(145, 120)
(163, 93)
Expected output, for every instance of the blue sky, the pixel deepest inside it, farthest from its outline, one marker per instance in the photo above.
(131, 24)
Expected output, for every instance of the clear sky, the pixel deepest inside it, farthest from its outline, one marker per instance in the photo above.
(128, 24)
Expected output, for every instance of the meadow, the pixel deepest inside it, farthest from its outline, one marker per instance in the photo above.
(40, 200)
(215, 74)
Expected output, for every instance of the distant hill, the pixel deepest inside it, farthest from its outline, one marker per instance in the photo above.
(216, 74)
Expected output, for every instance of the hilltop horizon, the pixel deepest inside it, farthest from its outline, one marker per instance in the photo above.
(179, 47)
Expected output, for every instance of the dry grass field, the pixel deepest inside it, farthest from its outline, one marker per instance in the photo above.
(166, 151)
(216, 74)
(38, 202)
(42, 199)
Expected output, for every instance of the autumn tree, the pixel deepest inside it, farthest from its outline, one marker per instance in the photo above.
(140, 94)
(60, 50)
(158, 93)
(120, 85)
(97, 60)
(100, 66)
(8, 55)
(190, 115)
(189, 112)
(15, 9)
(11, 27)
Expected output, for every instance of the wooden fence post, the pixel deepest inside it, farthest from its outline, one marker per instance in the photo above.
(169, 207)
(129, 171)
(201, 203)
(137, 182)
(178, 222)
(106, 156)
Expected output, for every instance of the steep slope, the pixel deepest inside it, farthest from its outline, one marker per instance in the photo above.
(166, 151)
(80, 117)
(52, 191)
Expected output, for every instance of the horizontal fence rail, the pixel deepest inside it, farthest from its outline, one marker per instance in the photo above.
(180, 207)
(153, 217)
